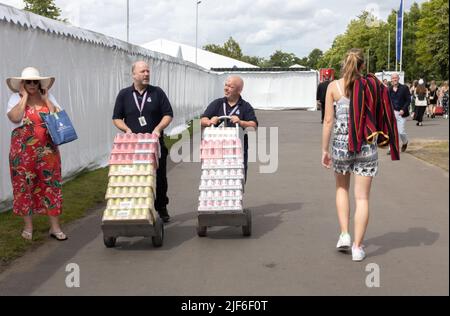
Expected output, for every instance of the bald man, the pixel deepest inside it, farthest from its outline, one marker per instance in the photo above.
(143, 108)
(400, 98)
(240, 111)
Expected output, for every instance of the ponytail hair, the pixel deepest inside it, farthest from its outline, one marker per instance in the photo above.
(351, 69)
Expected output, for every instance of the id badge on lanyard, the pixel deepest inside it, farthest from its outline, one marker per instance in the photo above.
(142, 120)
(232, 112)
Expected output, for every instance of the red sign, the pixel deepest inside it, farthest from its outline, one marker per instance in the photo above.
(326, 73)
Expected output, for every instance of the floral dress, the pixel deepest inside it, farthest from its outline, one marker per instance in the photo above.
(35, 166)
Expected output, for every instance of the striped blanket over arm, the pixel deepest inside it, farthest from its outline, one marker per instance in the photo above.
(372, 116)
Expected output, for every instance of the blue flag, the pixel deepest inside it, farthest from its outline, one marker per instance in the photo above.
(399, 39)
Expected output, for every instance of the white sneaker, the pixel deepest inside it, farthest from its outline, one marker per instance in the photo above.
(344, 243)
(358, 253)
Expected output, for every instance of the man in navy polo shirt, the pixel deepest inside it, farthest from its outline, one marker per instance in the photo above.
(400, 98)
(143, 108)
(240, 111)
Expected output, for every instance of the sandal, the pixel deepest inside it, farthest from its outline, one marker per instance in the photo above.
(27, 235)
(60, 236)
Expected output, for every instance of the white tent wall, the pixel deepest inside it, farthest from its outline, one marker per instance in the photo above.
(279, 90)
(90, 69)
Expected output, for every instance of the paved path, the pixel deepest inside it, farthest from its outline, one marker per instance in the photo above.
(291, 251)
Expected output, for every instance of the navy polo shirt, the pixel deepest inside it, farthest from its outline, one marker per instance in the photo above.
(401, 98)
(244, 111)
(156, 107)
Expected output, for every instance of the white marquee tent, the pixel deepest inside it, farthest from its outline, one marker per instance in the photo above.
(205, 58)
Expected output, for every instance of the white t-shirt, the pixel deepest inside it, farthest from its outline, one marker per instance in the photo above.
(15, 99)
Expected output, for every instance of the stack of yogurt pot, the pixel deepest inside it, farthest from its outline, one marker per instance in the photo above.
(221, 186)
(132, 179)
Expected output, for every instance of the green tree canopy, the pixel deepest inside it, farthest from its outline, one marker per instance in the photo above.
(425, 42)
(45, 8)
(432, 39)
(230, 49)
(282, 59)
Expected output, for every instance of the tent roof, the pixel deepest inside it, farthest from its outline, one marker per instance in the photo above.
(205, 59)
(297, 66)
(22, 18)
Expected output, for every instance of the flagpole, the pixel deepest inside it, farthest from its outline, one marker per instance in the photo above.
(401, 50)
(389, 51)
(396, 43)
(128, 21)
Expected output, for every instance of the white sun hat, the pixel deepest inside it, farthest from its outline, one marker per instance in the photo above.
(29, 73)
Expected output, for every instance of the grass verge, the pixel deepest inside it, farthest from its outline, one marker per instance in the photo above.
(434, 152)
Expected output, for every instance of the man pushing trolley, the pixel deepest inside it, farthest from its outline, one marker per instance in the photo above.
(225, 160)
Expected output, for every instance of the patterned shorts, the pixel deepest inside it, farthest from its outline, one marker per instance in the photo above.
(364, 163)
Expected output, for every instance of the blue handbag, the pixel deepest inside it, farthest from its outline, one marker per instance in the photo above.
(60, 127)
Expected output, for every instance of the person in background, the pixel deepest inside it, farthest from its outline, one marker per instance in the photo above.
(443, 92)
(322, 92)
(35, 161)
(401, 100)
(432, 99)
(421, 95)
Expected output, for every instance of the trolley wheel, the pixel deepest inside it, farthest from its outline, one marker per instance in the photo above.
(201, 231)
(247, 229)
(157, 240)
(110, 242)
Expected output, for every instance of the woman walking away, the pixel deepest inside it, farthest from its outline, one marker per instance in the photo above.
(444, 98)
(35, 162)
(364, 118)
(421, 102)
(432, 99)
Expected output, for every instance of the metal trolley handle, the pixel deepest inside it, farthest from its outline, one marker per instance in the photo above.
(227, 118)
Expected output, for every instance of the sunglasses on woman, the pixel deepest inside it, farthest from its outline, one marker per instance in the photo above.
(36, 82)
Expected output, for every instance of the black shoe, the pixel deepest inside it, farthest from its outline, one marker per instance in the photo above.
(164, 215)
(404, 146)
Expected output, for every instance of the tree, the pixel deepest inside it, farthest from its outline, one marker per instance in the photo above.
(213, 48)
(230, 49)
(254, 60)
(432, 39)
(282, 59)
(45, 8)
(233, 49)
(411, 67)
(425, 42)
(313, 58)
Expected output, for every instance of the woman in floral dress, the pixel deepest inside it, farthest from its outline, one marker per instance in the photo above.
(35, 162)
